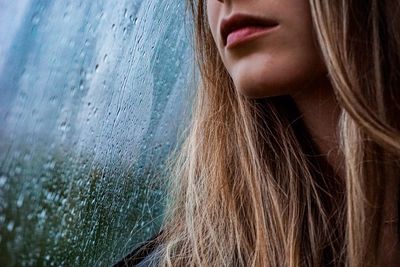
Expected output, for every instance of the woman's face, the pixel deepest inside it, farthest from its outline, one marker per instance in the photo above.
(267, 46)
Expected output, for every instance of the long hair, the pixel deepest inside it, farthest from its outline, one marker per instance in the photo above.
(247, 187)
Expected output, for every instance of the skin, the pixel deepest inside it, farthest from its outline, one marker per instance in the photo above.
(276, 63)
(287, 61)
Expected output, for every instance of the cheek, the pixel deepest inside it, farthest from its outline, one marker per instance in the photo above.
(212, 17)
(278, 74)
(284, 62)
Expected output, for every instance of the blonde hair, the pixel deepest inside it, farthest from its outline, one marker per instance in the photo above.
(246, 190)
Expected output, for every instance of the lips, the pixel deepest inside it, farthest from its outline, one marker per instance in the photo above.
(242, 23)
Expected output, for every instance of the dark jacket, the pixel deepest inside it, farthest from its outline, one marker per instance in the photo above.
(143, 256)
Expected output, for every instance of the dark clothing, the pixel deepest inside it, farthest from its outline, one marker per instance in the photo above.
(143, 256)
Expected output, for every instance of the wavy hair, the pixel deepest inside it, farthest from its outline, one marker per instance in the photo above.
(247, 188)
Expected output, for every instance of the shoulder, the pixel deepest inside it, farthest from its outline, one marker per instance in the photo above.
(146, 255)
(151, 260)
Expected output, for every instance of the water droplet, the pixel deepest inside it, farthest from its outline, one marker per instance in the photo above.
(20, 201)
(18, 170)
(35, 19)
(42, 215)
(10, 226)
(3, 180)
(49, 165)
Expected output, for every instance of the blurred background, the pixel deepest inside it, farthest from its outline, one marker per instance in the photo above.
(93, 97)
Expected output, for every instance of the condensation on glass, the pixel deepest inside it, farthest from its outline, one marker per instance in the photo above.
(93, 95)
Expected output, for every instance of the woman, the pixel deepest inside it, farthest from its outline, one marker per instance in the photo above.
(292, 157)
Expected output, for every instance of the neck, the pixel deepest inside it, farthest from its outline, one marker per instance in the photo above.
(320, 113)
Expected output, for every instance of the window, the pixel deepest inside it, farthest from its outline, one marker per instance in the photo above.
(92, 100)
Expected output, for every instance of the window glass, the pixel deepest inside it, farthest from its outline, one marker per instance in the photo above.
(93, 97)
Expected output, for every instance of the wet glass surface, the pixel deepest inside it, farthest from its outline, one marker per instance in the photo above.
(92, 99)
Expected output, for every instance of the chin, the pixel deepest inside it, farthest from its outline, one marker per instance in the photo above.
(261, 89)
(265, 76)
(252, 93)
